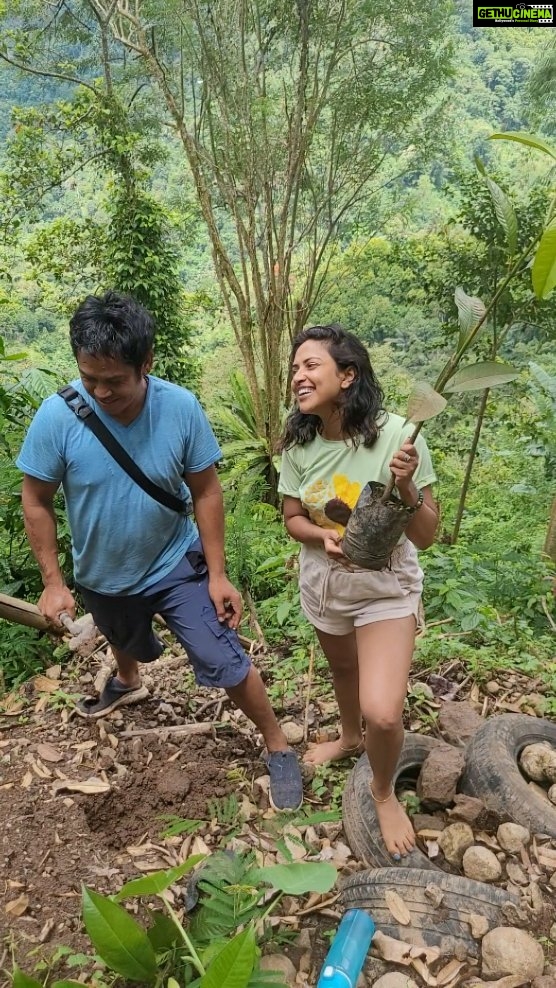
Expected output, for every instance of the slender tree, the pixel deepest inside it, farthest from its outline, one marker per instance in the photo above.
(291, 116)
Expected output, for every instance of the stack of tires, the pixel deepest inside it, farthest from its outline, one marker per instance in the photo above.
(492, 774)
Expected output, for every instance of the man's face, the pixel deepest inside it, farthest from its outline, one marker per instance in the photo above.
(118, 388)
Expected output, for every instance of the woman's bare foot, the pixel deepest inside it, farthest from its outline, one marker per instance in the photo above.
(333, 751)
(395, 826)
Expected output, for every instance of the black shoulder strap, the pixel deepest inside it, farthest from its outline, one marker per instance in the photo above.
(84, 412)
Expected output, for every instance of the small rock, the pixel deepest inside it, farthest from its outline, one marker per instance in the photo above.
(459, 721)
(281, 963)
(395, 980)
(516, 874)
(426, 821)
(467, 808)
(512, 837)
(293, 731)
(552, 933)
(424, 690)
(538, 761)
(454, 841)
(493, 687)
(543, 981)
(477, 924)
(552, 794)
(439, 775)
(507, 950)
(481, 864)
(304, 939)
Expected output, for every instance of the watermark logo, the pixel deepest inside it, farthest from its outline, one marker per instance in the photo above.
(513, 15)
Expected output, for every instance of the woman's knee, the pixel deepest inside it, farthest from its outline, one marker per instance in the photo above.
(387, 720)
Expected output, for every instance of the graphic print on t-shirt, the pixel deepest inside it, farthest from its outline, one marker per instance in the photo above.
(330, 503)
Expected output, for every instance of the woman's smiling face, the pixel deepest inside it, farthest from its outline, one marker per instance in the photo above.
(317, 381)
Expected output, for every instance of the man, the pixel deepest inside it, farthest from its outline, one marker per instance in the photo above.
(134, 557)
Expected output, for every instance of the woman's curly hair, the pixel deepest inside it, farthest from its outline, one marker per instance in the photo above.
(360, 404)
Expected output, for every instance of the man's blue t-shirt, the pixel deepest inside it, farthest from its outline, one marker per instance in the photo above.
(123, 540)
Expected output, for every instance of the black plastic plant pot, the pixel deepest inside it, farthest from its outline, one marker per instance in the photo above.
(374, 527)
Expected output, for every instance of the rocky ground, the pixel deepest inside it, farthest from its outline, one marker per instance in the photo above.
(94, 803)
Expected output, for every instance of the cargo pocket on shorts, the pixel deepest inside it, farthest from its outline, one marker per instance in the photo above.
(221, 631)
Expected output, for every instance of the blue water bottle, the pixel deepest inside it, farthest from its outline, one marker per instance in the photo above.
(344, 961)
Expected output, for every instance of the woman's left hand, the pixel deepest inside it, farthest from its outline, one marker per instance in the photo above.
(403, 465)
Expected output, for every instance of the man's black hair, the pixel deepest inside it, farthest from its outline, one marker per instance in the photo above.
(112, 325)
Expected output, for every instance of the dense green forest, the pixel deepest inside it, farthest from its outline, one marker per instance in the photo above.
(247, 177)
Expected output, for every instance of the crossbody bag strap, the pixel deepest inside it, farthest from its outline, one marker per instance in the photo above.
(88, 416)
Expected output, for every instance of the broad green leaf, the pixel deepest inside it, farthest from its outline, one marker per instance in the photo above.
(22, 980)
(233, 966)
(470, 311)
(424, 403)
(544, 264)
(298, 877)
(505, 214)
(282, 611)
(479, 165)
(159, 880)
(522, 138)
(67, 984)
(121, 943)
(477, 377)
(163, 934)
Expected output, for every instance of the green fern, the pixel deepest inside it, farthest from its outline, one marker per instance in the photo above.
(228, 897)
(225, 811)
(175, 825)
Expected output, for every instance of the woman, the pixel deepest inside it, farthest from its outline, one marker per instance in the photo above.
(337, 438)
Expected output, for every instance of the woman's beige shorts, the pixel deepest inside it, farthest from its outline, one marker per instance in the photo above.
(337, 600)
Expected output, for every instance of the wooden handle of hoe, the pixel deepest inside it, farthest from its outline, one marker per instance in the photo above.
(20, 612)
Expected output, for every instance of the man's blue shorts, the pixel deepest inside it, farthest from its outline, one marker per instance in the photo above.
(183, 601)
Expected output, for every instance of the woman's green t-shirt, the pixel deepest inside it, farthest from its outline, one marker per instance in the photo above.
(328, 475)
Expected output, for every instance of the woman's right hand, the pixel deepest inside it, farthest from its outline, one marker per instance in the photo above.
(332, 542)
(56, 600)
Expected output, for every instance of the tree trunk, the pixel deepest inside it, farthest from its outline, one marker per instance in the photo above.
(550, 543)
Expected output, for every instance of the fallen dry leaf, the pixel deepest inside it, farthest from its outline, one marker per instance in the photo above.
(49, 753)
(46, 930)
(84, 746)
(389, 949)
(397, 907)
(451, 971)
(27, 780)
(7, 785)
(39, 769)
(424, 972)
(43, 684)
(17, 906)
(91, 786)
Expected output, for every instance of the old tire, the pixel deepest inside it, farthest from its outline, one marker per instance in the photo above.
(358, 809)
(492, 774)
(444, 925)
